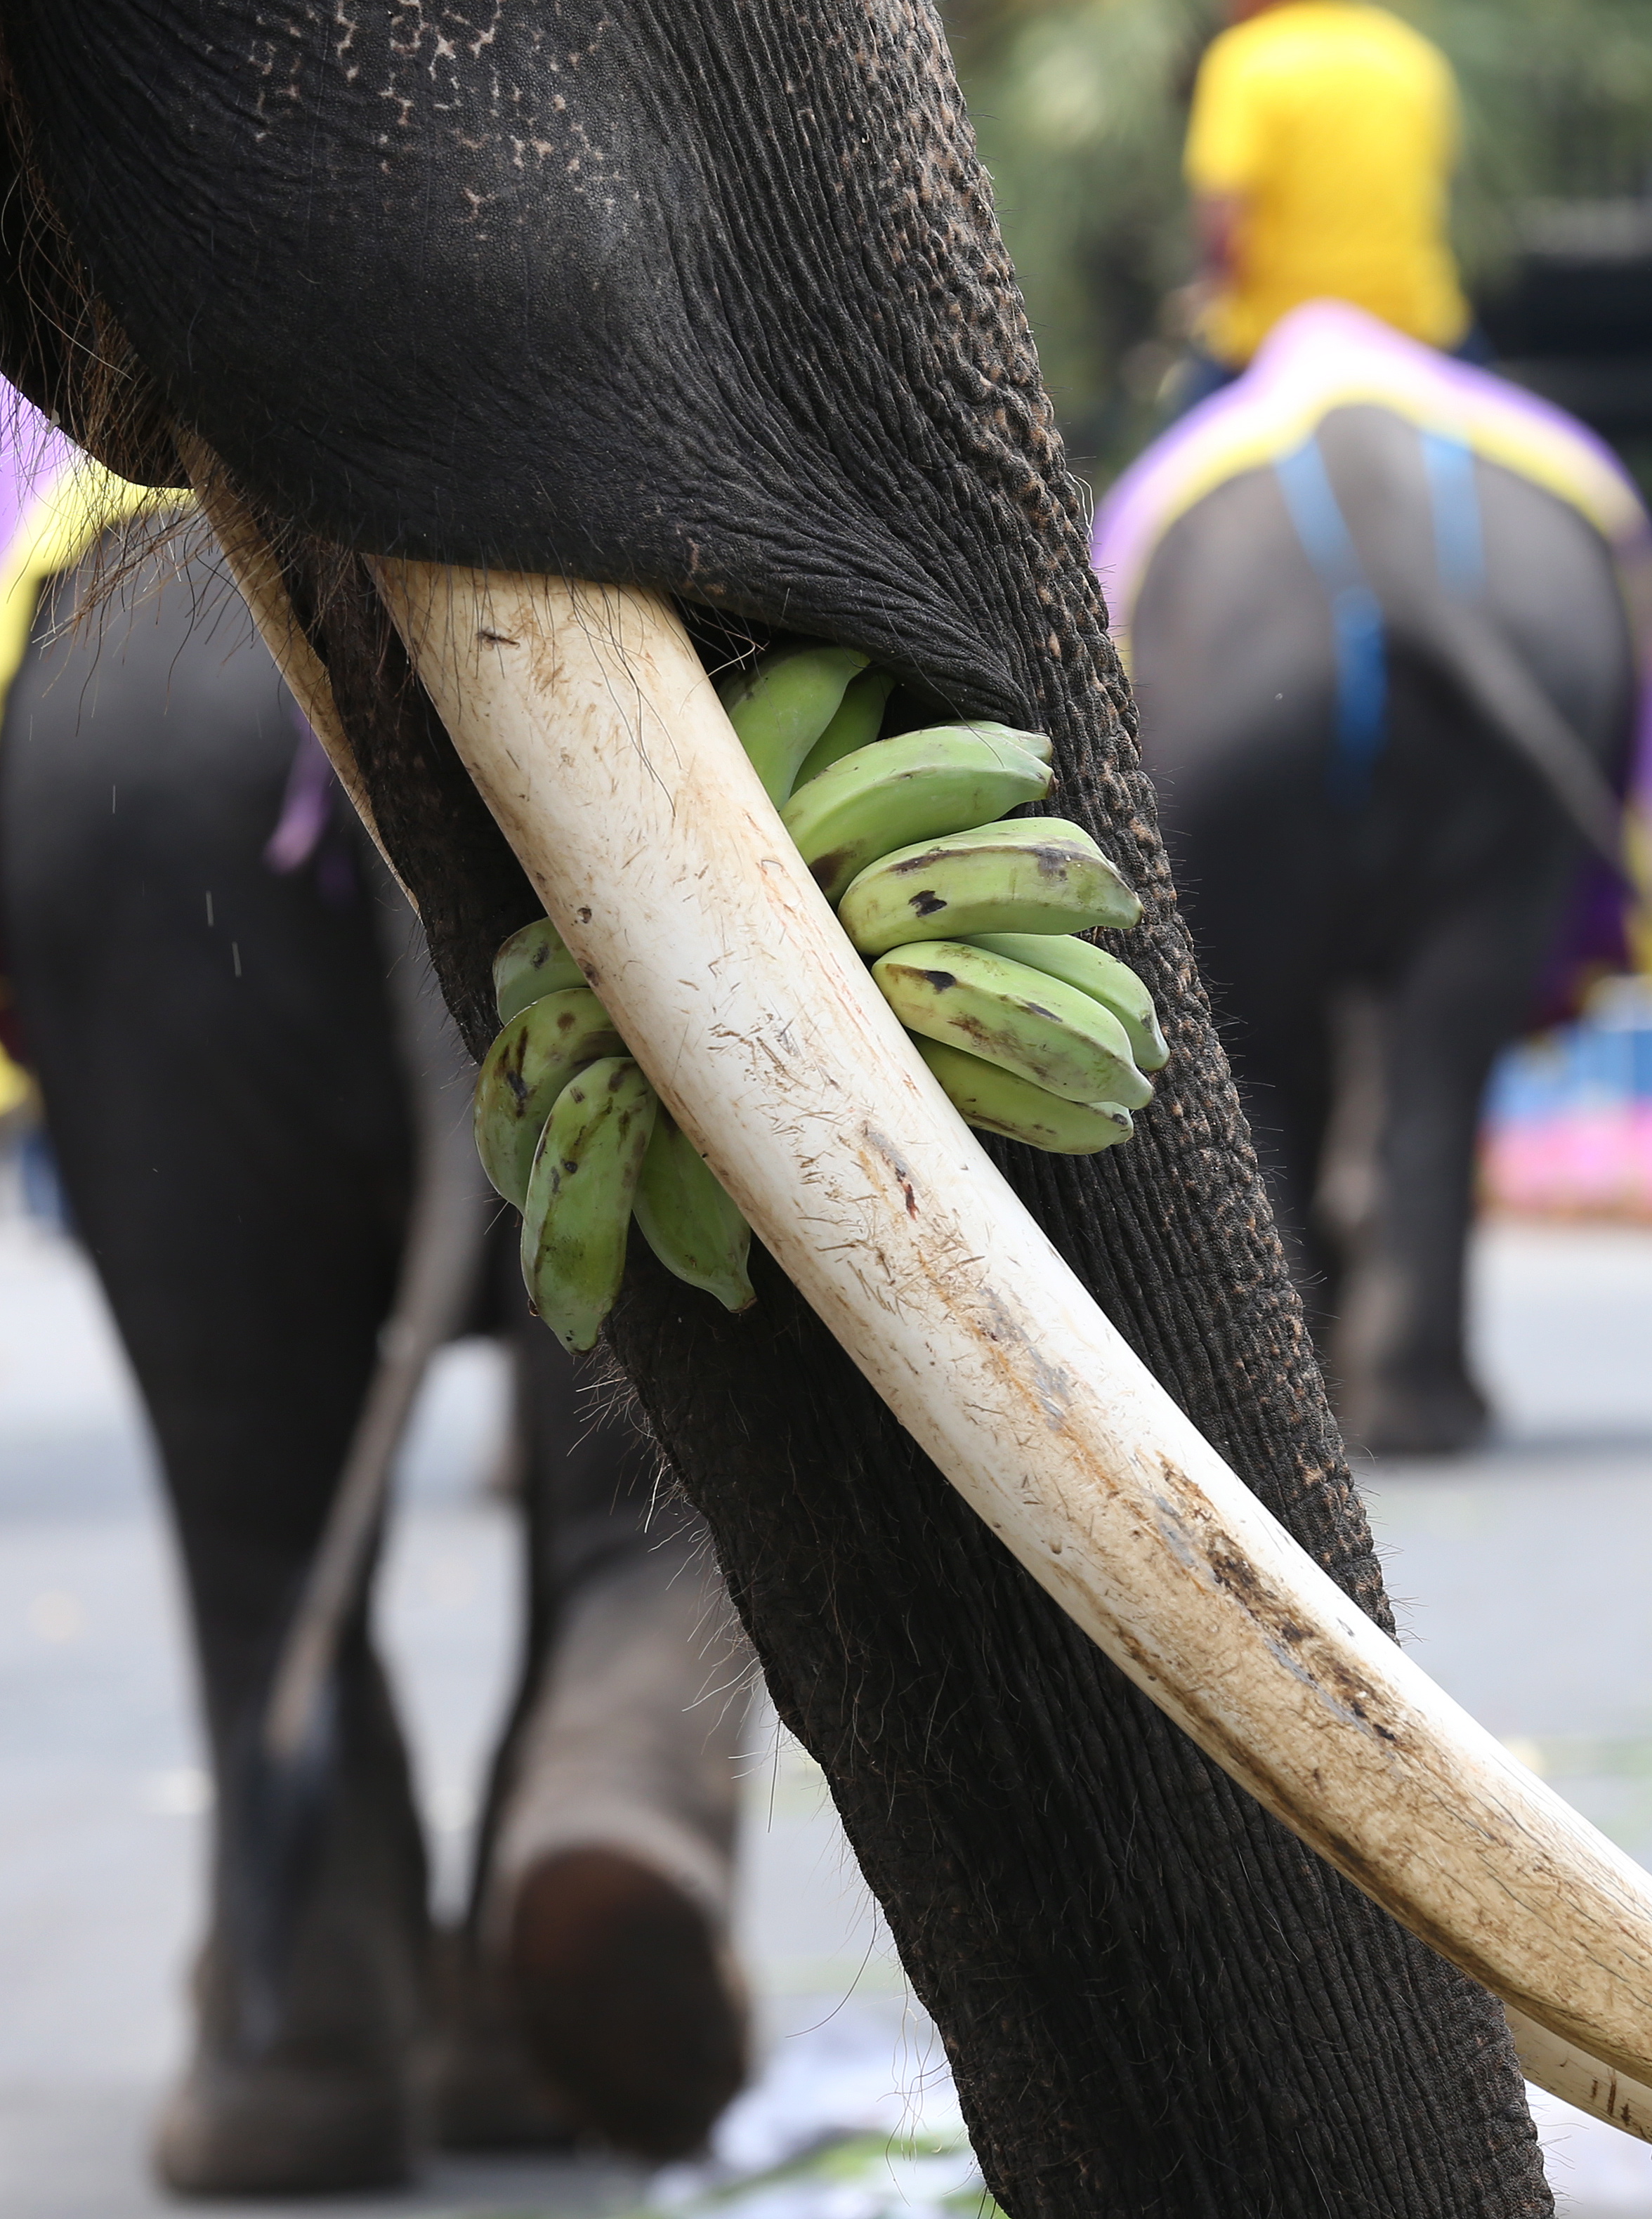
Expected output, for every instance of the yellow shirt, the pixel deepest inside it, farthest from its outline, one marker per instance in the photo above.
(1336, 124)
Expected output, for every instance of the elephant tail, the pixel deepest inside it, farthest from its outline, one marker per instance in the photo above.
(289, 1771)
(1466, 647)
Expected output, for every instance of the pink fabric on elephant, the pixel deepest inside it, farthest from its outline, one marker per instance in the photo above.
(31, 454)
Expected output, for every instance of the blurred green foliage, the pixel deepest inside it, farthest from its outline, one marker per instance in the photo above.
(1080, 111)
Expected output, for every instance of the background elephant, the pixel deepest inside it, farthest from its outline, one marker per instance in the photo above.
(1418, 857)
(714, 300)
(214, 975)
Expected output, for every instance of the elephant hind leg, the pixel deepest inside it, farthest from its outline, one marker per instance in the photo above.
(1408, 1389)
(595, 1992)
(323, 2098)
(245, 1211)
(626, 1996)
(608, 1892)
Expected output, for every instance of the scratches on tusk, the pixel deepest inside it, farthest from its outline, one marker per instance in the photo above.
(1578, 2078)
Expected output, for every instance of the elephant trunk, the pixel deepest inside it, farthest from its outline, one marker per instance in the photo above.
(589, 724)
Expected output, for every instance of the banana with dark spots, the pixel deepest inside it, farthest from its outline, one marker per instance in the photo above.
(1023, 1020)
(919, 786)
(578, 1205)
(524, 1072)
(1095, 973)
(998, 1101)
(532, 964)
(1030, 874)
(553, 1035)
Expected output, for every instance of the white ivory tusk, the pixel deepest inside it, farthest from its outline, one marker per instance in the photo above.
(593, 733)
(1580, 2080)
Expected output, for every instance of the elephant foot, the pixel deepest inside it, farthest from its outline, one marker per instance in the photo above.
(334, 2103)
(260, 2129)
(603, 1919)
(1441, 1418)
(490, 2093)
(628, 2001)
(313, 1995)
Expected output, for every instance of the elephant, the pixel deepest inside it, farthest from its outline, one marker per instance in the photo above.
(651, 331)
(1420, 890)
(231, 1029)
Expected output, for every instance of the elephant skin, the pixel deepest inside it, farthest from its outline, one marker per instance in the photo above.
(711, 299)
(1414, 922)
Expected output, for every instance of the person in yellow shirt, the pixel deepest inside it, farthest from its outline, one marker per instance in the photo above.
(1319, 153)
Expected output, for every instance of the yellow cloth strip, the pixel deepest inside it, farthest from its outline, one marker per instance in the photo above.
(63, 523)
(1538, 451)
(59, 526)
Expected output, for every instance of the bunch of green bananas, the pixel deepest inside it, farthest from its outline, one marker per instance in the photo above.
(968, 919)
(570, 1131)
(968, 916)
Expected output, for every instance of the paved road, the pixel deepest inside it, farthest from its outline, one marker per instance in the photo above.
(1522, 1573)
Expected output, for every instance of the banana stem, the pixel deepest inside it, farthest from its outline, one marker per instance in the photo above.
(584, 716)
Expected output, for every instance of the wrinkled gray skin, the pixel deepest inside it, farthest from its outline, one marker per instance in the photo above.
(709, 295)
(1372, 955)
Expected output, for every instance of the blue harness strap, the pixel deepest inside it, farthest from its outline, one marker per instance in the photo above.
(1355, 614)
(1453, 498)
(1356, 623)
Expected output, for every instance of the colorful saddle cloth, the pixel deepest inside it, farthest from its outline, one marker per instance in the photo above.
(1327, 356)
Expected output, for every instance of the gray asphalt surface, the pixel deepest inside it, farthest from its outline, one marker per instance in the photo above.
(1521, 1572)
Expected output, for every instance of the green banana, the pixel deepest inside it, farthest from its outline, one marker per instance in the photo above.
(1095, 973)
(578, 1207)
(1032, 874)
(525, 1071)
(780, 707)
(1025, 1021)
(1031, 1033)
(999, 1101)
(857, 724)
(691, 1224)
(917, 787)
(839, 739)
(532, 963)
